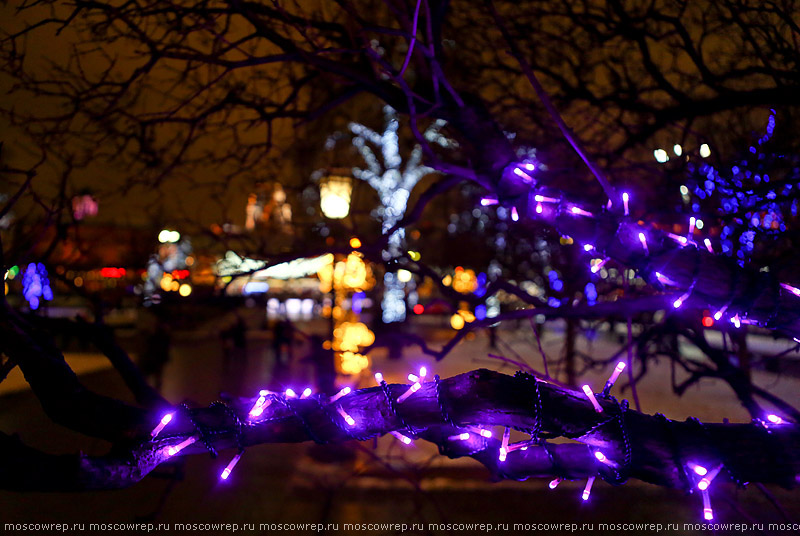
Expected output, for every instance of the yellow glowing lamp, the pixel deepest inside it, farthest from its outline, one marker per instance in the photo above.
(166, 282)
(457, 321)
(334, 196)
(353, 362)
(325, 274)
(466, 315)
(355, 272)
(465, 281)
(403, 275)
(349, 336)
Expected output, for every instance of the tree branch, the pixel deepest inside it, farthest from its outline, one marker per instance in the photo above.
(650, 448)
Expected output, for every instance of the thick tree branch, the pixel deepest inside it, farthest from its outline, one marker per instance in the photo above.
(650, 448)
(65, 400)
(103, 337)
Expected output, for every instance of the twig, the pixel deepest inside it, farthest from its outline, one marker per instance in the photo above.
(550, 107)
(413, 39)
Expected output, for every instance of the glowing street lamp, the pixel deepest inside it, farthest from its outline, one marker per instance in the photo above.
(334, 192)
(168, 237)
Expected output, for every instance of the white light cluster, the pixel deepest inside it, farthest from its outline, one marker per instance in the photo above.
(393, 182)
(168, 237)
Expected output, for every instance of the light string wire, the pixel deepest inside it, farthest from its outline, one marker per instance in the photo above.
(393, 408)
(537, 406)
(680, 465)
(200, 429)
(307, 425)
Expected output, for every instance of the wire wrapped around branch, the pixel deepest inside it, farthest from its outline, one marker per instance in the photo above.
(647, 447)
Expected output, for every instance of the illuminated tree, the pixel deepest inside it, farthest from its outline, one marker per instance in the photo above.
(393, 182)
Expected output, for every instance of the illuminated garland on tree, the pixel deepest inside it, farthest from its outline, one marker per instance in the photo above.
(393, 182)
(742, 294)
(458, 414)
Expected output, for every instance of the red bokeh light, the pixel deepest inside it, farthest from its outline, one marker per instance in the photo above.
(180, 274)
(112, 273)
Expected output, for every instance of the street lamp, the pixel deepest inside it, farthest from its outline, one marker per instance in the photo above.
(334, 191)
